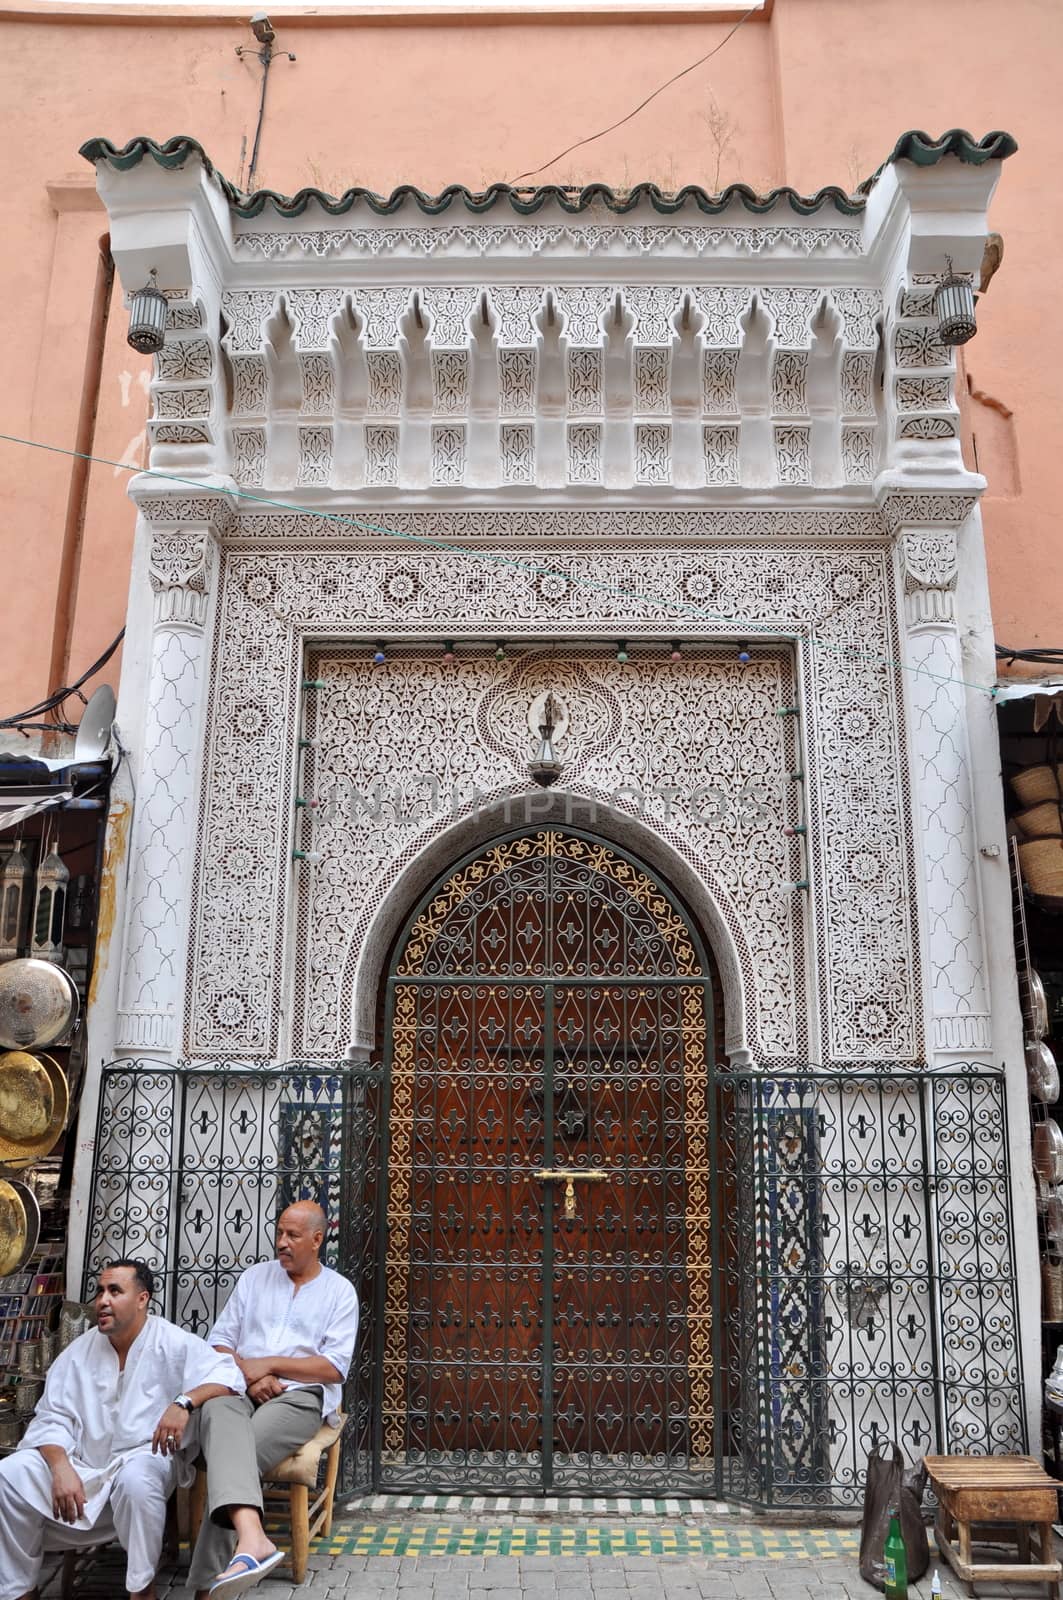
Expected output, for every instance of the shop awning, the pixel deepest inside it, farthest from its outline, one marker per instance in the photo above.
(17, 805)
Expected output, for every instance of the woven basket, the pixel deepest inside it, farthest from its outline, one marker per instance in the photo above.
(1040, 822)
(1052, 1290)
(1038, 783)
(1042, 866)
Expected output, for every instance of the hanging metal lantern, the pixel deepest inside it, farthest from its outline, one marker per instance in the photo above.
(954, 309)
(147, 317)
(49, 911)
(545, 767)
(14, 884)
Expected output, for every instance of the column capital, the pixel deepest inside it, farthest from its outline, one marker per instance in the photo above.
(924, 528)
(928, 565)
(182, 566)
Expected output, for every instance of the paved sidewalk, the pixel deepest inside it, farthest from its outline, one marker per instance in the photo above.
(651, 1560)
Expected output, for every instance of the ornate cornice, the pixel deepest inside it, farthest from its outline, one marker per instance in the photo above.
(906, 508)
(476, 241)
(599, 528)
(163, 505)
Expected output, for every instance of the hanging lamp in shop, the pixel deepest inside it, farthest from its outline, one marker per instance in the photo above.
(14, 888)
(49, 910)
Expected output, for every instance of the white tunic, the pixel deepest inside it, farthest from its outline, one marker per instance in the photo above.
(267, 1316)
(101, 1417)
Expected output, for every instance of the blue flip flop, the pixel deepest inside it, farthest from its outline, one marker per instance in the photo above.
(240, 1582)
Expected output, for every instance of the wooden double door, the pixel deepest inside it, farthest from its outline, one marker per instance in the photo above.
(548, 1243)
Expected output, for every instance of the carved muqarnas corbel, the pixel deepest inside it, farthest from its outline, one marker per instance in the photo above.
(928, 560)
(182, 569)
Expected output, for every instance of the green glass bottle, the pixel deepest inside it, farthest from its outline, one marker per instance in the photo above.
(896, 1559)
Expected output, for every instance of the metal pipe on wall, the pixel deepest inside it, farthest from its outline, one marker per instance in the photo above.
(77, 496)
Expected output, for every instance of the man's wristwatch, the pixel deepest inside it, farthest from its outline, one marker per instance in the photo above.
(186, 1401)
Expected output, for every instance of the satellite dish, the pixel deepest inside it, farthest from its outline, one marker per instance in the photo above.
(94, 730)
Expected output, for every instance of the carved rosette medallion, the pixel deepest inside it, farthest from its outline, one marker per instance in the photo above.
(590, 716)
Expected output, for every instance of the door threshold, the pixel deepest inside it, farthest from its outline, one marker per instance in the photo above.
(536, 1505)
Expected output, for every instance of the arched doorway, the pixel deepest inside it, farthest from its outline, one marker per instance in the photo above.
(547, 1236)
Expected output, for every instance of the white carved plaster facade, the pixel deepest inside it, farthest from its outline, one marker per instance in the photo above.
(562, 436)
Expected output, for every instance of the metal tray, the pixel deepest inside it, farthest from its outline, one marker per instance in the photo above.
(1038, 1004)
(1042, 1073)
(1048, 1151)
(38, 1004)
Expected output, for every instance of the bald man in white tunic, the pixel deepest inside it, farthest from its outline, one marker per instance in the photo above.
(291, 1326)
(102, 1455)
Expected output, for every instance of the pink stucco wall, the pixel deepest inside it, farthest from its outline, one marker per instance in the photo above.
(807, 92)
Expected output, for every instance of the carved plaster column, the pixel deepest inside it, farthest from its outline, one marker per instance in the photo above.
(183, 566)
(959, 1021)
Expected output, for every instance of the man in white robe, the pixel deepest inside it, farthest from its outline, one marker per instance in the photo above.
(291, 1326)
(101, 1456)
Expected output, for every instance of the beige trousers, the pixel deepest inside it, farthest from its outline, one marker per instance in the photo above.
(239, 1442)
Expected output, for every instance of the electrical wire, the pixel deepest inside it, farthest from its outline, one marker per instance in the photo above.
(55, 700)
(533, 171)
(668, 604)
(1049, 655)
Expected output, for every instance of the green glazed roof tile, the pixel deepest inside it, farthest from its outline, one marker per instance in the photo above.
(924, 151)
(914, 146)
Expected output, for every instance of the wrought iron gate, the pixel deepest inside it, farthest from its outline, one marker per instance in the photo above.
(780, 1269)
(547, 1238)
(193, 1165)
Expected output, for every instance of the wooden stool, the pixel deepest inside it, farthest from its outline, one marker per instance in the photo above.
(292, 1481)
(298, 1474)
(1003, 1491)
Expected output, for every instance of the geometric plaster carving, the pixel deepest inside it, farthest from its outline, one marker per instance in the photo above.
(834, 597)
(478, 240)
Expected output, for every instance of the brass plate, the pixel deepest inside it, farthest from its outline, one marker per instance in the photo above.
(19, 1146)
(12, 1228)
(25, 1097)
(28, 1199)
